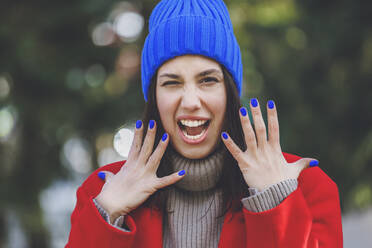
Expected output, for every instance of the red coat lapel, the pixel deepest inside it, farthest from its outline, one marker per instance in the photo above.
(150, 227)
(233, 230)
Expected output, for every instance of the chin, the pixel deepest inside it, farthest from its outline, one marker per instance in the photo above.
(191, 155)
(194, 152)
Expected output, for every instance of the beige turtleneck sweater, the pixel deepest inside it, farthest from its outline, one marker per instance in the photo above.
(195, 204)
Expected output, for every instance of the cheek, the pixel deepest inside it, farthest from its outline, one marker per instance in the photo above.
(218, 106)
(219, 109)
(161, 102)
(166, 109)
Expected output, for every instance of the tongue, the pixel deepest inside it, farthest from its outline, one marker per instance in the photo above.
(194, 130)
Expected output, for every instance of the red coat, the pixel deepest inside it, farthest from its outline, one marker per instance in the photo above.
(309, 217)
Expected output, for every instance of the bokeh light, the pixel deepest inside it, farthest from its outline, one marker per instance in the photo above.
(7, 122)
(129, 25)
(296, 38)
(57, 202)
(17, 235)
(363, 195)
(122, 141)
(75, 79)
(115, 85)
(269, 14)
(4, 87)
(128, 62)
(104, 140)
(103, 34)
(107, 156)
(105, 150)
(95, 75)
(77, 154)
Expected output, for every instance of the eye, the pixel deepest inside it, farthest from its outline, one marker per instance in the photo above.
(209, 79)
(170, 83)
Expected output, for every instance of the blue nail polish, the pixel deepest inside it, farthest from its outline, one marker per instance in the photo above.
(313, 163)
(254, 102)
(181, 173)
(138, 124)
(271, 104)
(243, 111)
(152, 124)
(224, 135)
(101, 175)
(165, 136)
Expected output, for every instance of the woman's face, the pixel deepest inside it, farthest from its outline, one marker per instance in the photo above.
(191, 98)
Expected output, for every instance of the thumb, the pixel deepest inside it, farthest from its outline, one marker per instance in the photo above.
(305, 162)
(105, 175)
(171, 179)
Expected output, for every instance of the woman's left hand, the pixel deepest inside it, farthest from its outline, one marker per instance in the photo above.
(262, 163)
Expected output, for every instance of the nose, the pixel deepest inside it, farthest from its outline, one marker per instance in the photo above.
(190, 99)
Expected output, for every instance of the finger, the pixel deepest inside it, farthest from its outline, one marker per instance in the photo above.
(171, 179)
(155, 158)
(250, 138)
(148, 143)
(259, 124)
(105, 175)
(231, 146)
(272, 123)
(304, 163)
(137, 141)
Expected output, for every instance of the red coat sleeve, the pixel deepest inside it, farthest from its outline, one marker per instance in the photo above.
(88, 228)
(309, 217)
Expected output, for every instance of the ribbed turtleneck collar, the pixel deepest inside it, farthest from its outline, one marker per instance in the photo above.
(201, 174)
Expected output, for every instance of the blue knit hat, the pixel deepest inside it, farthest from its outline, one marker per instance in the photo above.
(179, 27)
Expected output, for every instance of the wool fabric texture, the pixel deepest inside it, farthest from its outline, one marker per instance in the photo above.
(202, 174)
(200, 27)
(194, 208)
(311, 215)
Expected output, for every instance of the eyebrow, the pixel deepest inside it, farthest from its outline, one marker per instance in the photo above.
(201, 74)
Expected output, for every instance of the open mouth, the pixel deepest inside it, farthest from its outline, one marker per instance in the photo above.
(193, 129)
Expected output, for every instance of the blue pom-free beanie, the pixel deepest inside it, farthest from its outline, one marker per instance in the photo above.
(179, 27)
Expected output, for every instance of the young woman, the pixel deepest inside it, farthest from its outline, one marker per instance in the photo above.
(199, 174)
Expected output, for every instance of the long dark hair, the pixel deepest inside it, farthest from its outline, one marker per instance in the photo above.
(231, 181)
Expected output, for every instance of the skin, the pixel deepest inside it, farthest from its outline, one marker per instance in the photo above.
(262, 163)
(182, 93)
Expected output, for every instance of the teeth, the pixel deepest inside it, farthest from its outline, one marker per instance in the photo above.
(193, 137)
(193, 123)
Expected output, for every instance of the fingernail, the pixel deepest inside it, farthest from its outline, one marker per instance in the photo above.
(243, 111)
(101, 175)
(138, 124)
(313, 163)
(254, 102)
(165, 136)
(270, 104)
(181, 173)
(152, 124)
(224, 135)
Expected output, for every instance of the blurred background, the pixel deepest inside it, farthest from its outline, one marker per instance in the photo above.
(70, 93)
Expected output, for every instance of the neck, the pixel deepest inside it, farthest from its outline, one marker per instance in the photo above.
(201, 174)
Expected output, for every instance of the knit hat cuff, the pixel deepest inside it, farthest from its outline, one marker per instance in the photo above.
(190, 35)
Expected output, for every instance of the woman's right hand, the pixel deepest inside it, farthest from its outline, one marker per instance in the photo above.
(136, 180)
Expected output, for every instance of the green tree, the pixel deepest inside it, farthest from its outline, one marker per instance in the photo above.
(314, 58)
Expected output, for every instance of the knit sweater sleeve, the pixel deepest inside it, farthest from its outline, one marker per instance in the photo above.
(118, 223)
(260, 201)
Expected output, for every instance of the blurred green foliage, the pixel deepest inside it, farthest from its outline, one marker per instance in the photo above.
(313, 57)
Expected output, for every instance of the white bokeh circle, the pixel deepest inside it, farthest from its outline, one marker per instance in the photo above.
(122, 141)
